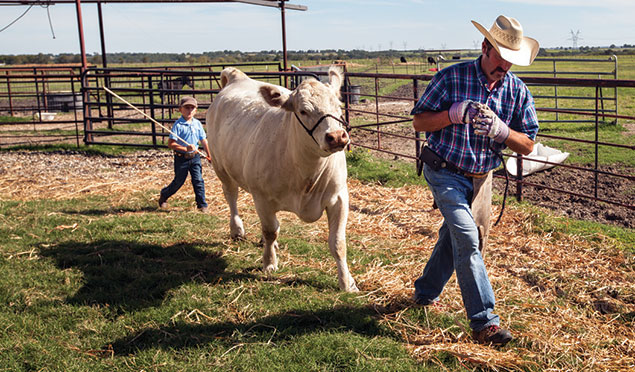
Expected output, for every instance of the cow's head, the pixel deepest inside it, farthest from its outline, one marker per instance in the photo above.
(316, 107)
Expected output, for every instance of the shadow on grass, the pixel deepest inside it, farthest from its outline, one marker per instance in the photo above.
(274, 328)
(112, 211)
(128, 276)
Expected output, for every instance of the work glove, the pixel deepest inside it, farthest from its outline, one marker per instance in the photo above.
(487, 123)
(463, 112)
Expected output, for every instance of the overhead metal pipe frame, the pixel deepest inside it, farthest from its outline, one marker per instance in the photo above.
(280, 4)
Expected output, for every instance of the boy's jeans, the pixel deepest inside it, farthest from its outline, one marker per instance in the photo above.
(182, 167)
(457, 250)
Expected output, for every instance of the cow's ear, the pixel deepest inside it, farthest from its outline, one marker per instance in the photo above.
(335, 78)
(274, 97)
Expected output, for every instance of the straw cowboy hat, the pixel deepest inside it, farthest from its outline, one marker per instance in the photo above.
(506, 35)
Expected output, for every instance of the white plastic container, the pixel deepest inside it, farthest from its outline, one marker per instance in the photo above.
(45, 116)
(540, 152)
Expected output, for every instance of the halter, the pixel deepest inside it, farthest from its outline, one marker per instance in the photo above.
(310, 131)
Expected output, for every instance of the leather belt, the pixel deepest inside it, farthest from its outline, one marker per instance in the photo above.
(451, 167)
(186, 155)
(436, 162)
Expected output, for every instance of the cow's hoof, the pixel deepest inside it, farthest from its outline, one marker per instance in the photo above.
(237, 237)
(237, 234)
(236, 230)
(352, 287)
(270, 269)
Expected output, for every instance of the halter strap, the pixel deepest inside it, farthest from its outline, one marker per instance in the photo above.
(310, 131)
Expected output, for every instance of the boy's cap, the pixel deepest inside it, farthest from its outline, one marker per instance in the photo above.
(188, 101)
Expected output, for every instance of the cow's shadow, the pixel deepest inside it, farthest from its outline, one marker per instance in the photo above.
(275, 328)
(112, 211)
(127, 275)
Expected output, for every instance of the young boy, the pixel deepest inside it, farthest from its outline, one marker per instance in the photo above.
(186, 157)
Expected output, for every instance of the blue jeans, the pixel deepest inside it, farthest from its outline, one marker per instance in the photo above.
(182, 167)
(457, 250)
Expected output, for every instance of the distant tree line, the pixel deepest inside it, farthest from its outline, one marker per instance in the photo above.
(276, 55)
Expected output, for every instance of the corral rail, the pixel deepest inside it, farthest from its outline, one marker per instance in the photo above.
(380, 121)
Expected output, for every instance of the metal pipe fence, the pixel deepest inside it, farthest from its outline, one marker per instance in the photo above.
(380, 118)
(555, 96)
(382, 123)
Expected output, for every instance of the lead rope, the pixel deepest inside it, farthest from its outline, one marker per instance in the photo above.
(157, 123)
(500, 156)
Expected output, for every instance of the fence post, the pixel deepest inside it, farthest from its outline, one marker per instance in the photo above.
(109, 110)
(415, 93)
(614, 57)
(595, 174)
(37, 94)
(88, 124)
(9, 93)
(519, 177)
(75, 109)
(154, 129)
(377, 113)
(555, 88)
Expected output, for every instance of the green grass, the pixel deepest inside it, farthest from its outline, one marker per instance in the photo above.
(544, 222)
(13, 119)
(367, 168)
(90, 284)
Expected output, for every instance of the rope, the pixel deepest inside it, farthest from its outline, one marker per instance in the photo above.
(152, 119)
(500, 156)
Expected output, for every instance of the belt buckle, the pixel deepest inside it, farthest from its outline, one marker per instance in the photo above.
(476, 175)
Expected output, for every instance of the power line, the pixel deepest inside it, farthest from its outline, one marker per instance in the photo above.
(17, 19)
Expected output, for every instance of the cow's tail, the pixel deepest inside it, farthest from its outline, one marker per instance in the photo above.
(229, 75)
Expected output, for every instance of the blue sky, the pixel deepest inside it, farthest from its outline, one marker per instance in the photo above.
(328, 24)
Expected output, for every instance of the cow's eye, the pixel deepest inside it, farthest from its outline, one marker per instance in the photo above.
(302, 112)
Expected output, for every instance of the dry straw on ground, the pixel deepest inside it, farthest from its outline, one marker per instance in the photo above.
(570, 299)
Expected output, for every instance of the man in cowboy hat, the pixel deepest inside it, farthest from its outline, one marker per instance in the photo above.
(470, 112)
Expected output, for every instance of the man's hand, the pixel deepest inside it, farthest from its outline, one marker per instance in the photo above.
(209, 158)
(463, 112)
(487, 123)
(190, 148)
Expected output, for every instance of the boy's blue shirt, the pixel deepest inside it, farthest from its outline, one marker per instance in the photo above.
(192, 132)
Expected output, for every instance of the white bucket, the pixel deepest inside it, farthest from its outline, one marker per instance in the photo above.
(45, 116)
(540, 152)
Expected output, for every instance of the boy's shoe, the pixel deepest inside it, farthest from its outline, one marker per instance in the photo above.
(492, 335)
(203, 210)
(163, 203)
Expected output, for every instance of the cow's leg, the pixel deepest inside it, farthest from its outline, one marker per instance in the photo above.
(270, 228)
(337, 216)
(236, 229)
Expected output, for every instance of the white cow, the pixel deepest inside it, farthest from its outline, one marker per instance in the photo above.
(285, 148)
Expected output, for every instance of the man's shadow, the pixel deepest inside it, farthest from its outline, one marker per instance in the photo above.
(128, 275)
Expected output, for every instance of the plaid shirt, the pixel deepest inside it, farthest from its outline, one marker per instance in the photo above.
(457, 143)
